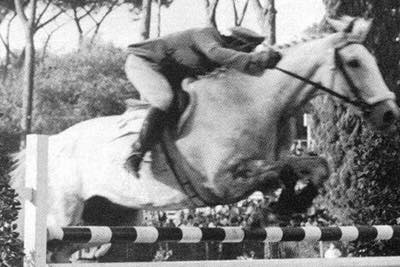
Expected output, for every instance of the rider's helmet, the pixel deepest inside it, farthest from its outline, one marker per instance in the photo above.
(242, 39)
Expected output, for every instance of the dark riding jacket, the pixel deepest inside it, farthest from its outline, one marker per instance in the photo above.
(191, 52)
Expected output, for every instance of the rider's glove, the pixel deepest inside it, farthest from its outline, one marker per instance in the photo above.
(267, 59)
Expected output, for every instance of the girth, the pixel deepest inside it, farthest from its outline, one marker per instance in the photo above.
(190, 180)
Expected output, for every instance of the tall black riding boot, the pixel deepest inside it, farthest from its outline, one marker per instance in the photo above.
(150, 133)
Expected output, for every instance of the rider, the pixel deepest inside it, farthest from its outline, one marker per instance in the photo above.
(157, 67)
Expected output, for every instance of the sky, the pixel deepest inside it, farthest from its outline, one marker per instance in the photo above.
(293, 17)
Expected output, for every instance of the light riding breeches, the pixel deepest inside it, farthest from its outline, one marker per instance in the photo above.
(151, 84)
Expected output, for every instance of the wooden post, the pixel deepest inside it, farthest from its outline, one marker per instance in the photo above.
(321, 249)
(207, 251)
(308, 123)
(266, 251)
(35, 217)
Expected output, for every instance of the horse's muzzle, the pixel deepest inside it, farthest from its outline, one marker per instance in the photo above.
(383, 115)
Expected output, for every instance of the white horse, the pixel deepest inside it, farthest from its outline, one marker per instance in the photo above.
(232, 140)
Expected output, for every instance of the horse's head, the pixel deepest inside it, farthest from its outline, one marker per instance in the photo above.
(351, 70)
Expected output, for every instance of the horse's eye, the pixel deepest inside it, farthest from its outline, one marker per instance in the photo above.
(354, 63)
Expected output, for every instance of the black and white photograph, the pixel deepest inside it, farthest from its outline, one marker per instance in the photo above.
(199, 133)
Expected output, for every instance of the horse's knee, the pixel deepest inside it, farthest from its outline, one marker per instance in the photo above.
(58, 252)
(315, 169)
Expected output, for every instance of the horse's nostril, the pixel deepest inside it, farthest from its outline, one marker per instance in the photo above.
(389, 117)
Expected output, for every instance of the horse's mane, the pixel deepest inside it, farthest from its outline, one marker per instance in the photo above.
(297, 42)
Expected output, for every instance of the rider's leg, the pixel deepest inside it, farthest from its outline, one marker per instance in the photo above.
(154, 88)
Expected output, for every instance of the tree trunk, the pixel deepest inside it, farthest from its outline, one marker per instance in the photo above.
(29, 66)
(211, 8)
(158, 18)
(80, 33)
(266, 18)
(238, 18)
(77, 21)
(6, 43)
(145, 21)
(29, 72)
(271, 22)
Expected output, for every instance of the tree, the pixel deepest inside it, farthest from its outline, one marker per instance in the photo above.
(5, 40)
(28, 23)
(238, 18)
(145, 21)
(266, 18)
(211, 8)
(11, 248)
(108, 7)
(31, 24)
(79, 10)
(96, 12)
(363, 188)
(142, 9)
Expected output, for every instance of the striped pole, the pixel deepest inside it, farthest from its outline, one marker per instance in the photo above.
(101, 235)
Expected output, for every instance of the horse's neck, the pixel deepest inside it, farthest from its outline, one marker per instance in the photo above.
(273, 92)
(288, 93)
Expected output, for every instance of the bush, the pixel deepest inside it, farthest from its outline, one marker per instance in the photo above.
(11, 248)
(78, 86)
(363, 189)
(68, 89)
(364, 185)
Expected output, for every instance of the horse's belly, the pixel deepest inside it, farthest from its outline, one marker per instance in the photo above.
(106, 175)
(88, 160)
(123, 188)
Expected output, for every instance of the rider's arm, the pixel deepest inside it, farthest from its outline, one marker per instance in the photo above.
(210, 45)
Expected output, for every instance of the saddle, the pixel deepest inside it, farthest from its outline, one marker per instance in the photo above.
(181, 106)
(187, 177)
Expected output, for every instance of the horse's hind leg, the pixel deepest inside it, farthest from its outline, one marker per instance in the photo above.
(66, 211)
(100, 211)
(95, 211)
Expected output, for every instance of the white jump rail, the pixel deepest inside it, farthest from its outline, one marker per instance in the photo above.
(147, 234)
(36, 233)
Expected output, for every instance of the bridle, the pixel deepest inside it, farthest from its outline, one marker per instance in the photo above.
(359, 102)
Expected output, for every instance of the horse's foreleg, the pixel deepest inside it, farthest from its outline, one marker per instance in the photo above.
(311, 169)
(66, 210)
(245, 178)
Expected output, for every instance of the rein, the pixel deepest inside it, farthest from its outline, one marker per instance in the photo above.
(358, 102)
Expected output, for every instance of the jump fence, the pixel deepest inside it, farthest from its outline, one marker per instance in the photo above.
(36, 233)
(134, 234)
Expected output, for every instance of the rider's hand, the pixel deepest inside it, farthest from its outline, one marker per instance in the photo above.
(267, 58)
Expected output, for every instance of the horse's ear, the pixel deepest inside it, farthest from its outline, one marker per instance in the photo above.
(361, 29)
(356, 28)
(337, 25)
(343, 24)
(350, 27)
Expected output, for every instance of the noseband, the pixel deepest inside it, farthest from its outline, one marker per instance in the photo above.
(339, 64)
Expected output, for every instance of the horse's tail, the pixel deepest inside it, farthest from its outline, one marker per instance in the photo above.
(17, 172)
